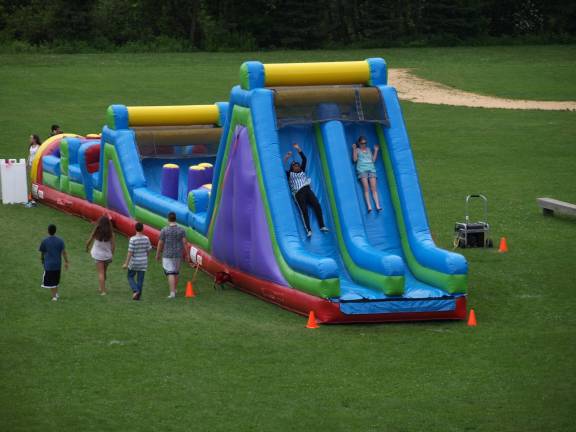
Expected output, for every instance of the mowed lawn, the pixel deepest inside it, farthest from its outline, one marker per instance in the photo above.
(228, 361)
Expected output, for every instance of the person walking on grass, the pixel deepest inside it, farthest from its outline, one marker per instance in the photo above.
(300, 187)
(171, 247)
(366, 170)
(137, 260)
(52, 250)
(101, 245)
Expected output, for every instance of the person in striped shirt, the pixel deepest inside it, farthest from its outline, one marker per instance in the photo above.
(300, 188)
(137, 260)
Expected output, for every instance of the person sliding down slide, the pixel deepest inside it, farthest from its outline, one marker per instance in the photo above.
(366, 170)
(300, 188)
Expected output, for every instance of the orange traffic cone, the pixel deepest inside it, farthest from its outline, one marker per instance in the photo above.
(189, 290)
(503, 245)
(472, 318)
(312, 324)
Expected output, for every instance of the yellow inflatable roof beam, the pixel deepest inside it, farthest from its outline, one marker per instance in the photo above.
(172, 115)
(171, 166)
(294, 74)
(196, 168)
(205, 165)
(372, 72)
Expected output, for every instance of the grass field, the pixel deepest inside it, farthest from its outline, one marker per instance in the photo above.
(227, 361)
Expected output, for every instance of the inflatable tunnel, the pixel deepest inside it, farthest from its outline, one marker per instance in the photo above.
(221, 169)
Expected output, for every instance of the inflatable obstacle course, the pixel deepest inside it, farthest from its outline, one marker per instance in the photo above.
(220, 169)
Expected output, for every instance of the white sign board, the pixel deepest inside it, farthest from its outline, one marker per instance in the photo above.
(195, 257)
(14, 185)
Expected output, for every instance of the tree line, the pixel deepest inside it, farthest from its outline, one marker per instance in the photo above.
(275, 24)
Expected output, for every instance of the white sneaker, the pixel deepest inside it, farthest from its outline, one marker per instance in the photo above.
(172, 296)
(309, 234)
(324, 229)
(54, 298)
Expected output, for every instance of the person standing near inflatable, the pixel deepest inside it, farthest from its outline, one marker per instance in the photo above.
(300, 188)
(101, 245)
(55, 130)
(171, 246)
(33, 147)
(366, 170)
(52, 250)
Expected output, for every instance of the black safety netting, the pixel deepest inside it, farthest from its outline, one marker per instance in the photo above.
(298, 105)
(177, 141)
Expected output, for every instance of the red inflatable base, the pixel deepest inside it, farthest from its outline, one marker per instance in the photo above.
(285, 297)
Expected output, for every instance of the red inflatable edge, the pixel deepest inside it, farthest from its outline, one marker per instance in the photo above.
(326, 311)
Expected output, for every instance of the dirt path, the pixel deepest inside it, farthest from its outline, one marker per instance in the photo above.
(415, 89)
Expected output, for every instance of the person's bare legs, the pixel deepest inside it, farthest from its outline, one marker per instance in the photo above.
(374, 188)
(54, 292)
(106, 275)
(101, 266)
(172, 283)
(364, 182)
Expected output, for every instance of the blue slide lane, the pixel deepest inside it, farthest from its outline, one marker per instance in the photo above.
(345, 186)
(380, 228)
(302, 255)
(411, 202)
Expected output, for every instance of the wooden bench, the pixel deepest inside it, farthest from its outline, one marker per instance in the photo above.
(550, 206)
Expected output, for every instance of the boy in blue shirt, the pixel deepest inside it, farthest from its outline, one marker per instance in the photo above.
(51, 253)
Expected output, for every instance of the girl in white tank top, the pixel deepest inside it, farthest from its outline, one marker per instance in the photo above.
(101, 250)
(101, 246)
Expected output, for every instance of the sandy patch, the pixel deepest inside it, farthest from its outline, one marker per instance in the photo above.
(420, 90)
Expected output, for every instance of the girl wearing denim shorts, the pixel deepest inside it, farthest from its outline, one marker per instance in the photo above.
(366, 170)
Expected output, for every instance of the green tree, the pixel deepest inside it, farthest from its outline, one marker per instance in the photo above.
(452, 20)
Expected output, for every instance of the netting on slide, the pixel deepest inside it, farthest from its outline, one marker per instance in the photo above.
(177, 141)
(297, 105)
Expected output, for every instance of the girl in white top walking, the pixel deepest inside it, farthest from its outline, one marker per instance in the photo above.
(101, 246)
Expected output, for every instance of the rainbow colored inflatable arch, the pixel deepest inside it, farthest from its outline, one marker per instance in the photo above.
(219, 168)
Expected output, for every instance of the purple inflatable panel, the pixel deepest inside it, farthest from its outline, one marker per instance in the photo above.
(170, 175)
(115, 195)
(241, 236)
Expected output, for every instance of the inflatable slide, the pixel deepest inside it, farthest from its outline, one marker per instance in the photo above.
(220, 168)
